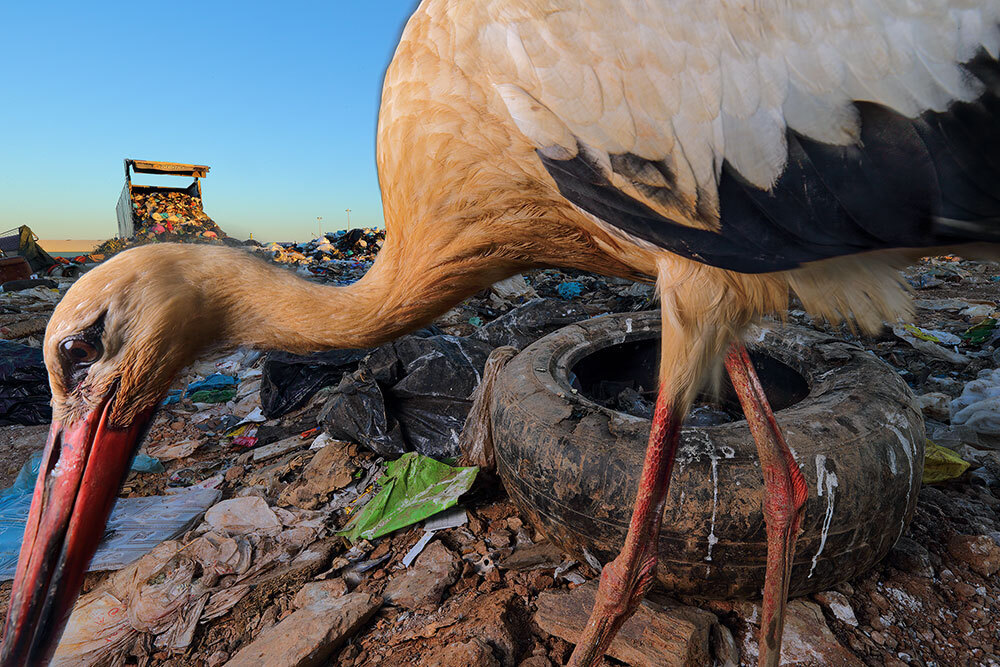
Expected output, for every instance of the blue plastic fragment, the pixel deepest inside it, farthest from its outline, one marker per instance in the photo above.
(15, 501)
(173, 396)
(570, 290)
(146, 463)
(211, 383)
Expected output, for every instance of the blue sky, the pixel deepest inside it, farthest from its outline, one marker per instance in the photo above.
(280, 99)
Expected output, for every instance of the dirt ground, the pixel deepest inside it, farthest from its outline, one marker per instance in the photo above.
(932, 601)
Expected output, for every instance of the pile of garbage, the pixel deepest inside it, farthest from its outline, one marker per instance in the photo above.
(310, 507)
(172, 216)
(339, 257)
(112, 247)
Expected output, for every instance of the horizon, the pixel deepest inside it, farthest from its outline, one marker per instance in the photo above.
(281, 105)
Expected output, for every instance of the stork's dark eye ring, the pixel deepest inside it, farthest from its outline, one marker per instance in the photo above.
(80, 352)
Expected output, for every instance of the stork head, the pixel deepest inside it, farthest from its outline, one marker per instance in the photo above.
(112, 348)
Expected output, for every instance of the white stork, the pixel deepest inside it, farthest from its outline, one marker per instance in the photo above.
(734, 151)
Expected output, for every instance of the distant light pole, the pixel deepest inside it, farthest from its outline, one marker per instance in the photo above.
(348, 217)
(319, 221)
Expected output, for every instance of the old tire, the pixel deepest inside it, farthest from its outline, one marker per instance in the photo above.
(573, 466)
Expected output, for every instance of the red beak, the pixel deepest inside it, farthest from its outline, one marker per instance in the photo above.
(83, 466)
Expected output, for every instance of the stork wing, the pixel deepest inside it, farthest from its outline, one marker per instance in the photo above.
(759, 134)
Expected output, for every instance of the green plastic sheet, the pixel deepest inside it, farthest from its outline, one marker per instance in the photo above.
(980, 333)
(414, 487)
(213, 395)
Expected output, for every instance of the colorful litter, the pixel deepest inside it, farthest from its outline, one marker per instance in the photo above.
(414, 488)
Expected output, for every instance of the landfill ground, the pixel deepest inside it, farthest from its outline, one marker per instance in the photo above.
(264, 579)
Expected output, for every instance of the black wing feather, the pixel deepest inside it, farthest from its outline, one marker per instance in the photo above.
(907, 183)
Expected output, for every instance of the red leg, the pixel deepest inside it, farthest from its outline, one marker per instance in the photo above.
(626, 579)
(784, 496)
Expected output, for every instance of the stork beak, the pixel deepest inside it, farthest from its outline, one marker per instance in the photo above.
(83, 466)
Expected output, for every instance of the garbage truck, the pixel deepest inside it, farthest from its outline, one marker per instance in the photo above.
(160, 212)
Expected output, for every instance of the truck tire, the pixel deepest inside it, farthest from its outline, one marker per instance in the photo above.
(572, 466)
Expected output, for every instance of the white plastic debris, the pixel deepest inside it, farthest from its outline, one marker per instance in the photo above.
(415, 550)
(979, 405)
(169, 451)
(240, 516)
(515, 286)
(934, 347)
(978, 311)
(255, 417)
(452, 518)
(321, 441)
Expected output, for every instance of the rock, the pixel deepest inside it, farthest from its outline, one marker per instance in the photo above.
(540, 580)
(979, 552)
(309, 636)
(964, 590)
(499, 619)
(535, 661)
(329, 471)
(240, 516)
(498, 539)
(844, 588)
(807, 641)
(536, 556)
(167, 450)
(314, 557)
(935, 404)
(473, 653)
(276, 449)
(724, 648)
(425, 581)
(909, 556)
(217, 659)
(24, 328)
(839, 606)
(318, 591)
(655, 635)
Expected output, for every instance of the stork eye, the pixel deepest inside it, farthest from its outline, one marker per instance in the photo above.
(80, 352)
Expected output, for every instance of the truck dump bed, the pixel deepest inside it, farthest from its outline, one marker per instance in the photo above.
(161, 212)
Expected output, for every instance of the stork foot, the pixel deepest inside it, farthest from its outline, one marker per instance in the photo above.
(785, 495)
(626, 579)
(618, 596)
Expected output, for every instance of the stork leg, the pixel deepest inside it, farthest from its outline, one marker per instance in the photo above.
(785, 495)
(626, 579)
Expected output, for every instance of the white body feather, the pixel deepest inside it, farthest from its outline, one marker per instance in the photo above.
(695, 82)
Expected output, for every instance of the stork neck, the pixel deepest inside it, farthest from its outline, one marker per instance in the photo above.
(283, 311)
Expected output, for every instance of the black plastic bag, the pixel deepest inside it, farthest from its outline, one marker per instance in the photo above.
(411, 394)
(24, 386)
(290, 380)
(525, 324)
(357, 412)
(415, 393)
